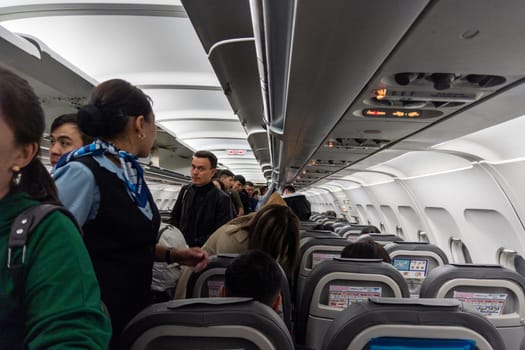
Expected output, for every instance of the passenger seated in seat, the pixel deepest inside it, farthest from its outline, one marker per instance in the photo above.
(165, 276)
(323, 227)
(273, 229)
(254, 274)
(370, 229)
(366, 249)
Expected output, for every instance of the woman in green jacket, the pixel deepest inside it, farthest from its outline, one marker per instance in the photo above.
(57, 305)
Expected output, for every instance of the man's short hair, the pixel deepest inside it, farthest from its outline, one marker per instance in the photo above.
(70, 118)
(207, 154)
(249, 183)
(254, 274)
(290, 188)
(240, 178)
(225, 172)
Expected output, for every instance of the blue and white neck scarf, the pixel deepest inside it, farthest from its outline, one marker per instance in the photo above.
(133, 173)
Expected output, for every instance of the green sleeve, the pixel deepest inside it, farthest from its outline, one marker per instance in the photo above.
(236, 199)
(62, 298)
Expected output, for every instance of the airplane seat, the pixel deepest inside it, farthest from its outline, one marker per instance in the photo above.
(392, 323)
(338, 224)
(313, 250)
(208, 282)
(352, 232)
(322, 220)
(337, 284)
(318, 233)
(381, 238)
(340, 229)
(207, 323)
(415, 260)
(495, 291)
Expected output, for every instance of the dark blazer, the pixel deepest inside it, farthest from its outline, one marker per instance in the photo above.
(198, 221)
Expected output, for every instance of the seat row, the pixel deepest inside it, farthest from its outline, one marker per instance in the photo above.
(338, 285)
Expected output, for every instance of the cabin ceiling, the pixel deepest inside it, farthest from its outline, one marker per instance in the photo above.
(298, 91)
(324, 67)
(153, 45)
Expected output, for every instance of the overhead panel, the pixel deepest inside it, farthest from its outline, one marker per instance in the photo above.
(337, 46)
(439, 82)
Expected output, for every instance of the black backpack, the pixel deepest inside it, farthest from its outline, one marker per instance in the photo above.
(22, 226)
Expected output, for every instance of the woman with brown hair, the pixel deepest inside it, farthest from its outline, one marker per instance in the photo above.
(273, 229)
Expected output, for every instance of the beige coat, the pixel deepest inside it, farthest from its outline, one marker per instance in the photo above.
(228, 239)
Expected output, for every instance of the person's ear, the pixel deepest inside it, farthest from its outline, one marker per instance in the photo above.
(277, 302)
(24, 155)
(139, 125)
(213, 172)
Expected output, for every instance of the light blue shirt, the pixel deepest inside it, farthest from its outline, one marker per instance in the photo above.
(79, 192)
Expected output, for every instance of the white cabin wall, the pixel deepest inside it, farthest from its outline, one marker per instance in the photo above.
(363, 204)
(339, 200)
(400, 209)
(469, 205)
(510, 178)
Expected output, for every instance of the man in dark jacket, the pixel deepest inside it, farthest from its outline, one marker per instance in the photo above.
(201, 208)
(238, 185)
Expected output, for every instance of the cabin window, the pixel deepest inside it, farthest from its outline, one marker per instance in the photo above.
(422, 236)
(460, 252)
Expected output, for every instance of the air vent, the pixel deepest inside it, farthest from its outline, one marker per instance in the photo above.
(444, 81)
(330, 162)
(356, 143)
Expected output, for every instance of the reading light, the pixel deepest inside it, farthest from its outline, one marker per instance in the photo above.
(442, 81)
(405, 78)
(330, 143)
(380, 93)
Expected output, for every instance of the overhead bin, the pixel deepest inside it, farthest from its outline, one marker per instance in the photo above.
(226, 33)
(336, 48)
(51, 75)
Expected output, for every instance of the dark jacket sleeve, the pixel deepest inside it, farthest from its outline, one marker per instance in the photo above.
(224, 211)
(177, 208)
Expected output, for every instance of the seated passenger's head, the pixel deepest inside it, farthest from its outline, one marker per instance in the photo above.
(370, 229)
(288, 189)
(323, 227)
(256, 275)
(65, 137)
(274, 229)
(366, 249)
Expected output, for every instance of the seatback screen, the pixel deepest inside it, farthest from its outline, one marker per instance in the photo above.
(411, 268)
(489, 304)
(214, 288)
(320, 257)
(341, 296)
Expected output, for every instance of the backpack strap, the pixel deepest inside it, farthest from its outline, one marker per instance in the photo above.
(21, 228)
